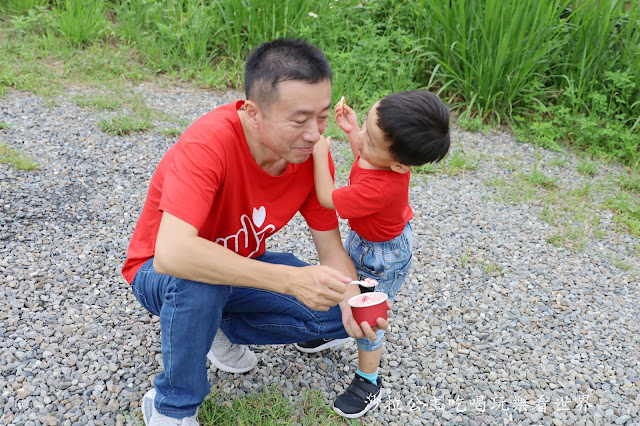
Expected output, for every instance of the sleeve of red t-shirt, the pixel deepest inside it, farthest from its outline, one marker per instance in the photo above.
(317, 216)
(192, 178)
(359, 200)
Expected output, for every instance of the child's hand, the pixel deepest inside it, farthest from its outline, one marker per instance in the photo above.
(346, 118)
(322, 147)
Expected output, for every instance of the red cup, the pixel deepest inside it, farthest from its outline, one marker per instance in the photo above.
(369, 307)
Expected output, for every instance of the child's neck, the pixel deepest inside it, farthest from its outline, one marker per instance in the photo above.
(364, 164)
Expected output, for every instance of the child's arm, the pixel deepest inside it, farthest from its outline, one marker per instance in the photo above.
(347, 120)
(321, 174)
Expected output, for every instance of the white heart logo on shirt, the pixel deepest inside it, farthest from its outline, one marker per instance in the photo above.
(259, 216)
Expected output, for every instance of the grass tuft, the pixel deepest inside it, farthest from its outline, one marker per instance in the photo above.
(627, 209)
(16, 159)
(458, 162)
(125, 124)
(267, 407)
(587, 167)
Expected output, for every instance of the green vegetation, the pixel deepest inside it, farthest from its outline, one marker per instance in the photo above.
(457, 162)
(266, 408)
(587, 167)
(555, 72)
(15, 159)
(125, 124)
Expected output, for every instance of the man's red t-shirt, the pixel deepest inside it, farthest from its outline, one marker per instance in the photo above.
(210, 180)
(376, 202)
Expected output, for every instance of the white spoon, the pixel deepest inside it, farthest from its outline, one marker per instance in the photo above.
(366, 283)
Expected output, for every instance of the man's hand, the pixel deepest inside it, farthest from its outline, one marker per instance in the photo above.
(364, 329)
(319, 287)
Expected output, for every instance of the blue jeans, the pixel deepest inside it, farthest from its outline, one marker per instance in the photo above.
(191, 313)
(387, 262)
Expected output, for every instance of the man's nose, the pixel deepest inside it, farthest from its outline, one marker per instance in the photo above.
(312, 132)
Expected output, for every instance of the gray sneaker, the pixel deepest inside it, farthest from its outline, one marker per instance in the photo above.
(229, 357)
(153, 418)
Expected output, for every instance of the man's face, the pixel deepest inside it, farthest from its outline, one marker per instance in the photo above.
(291, 126)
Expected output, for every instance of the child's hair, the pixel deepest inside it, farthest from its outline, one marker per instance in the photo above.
(416, 125)
(281, 60)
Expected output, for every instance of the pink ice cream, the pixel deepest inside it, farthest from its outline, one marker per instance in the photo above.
(367, 299)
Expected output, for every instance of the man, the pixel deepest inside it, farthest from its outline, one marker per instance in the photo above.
(197, 256)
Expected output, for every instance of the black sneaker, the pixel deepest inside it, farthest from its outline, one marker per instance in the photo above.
(317, 345)
(360, 397)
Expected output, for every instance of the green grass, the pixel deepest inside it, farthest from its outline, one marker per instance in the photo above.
(512, 191)
(125, 124)
(16, 159)
(457, 162)
(464, 260)
(266, 408)
(554, 78)
(538, 178)
(630, 181)
(627, 209)
(109, 102)
(171, 131)
(492, 268)
(559, 161)
(587, 167)
(475, 124)
(572, 212)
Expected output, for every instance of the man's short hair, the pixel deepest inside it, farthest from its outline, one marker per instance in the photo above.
(282, 60)
(416, 125)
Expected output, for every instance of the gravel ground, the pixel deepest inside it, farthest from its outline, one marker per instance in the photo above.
(494, 326)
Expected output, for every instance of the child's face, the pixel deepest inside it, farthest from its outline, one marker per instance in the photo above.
(372, 145)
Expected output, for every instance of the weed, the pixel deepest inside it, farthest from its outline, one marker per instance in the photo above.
(125, 124)
(471, 124)
(171, 132)
(16, 159)
(514, 191)
(627, 209)
(100, 101)
(20, 7)
(620, 263)
(559, 161)
(630, 182)
(458, 162)
(464, 257)
(492, 268)
(538, 178)
(81, 23)
(425, 169)
(587, 167)
(266, 407)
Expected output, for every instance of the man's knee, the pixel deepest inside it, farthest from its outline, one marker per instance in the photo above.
(202, 299)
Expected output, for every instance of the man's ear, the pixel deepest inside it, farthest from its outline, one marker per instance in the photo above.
(251, 111)
(400, 168)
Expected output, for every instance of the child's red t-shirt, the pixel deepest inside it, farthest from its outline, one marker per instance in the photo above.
(376, 202)
(210, 180)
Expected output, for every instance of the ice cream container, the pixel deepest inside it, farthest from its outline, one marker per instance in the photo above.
(369, 307)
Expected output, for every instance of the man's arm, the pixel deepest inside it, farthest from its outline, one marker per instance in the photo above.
(331, 253)
(182, 253)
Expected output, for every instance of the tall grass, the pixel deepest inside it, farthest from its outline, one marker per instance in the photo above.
(555, 70)
(493, 54)
(601, 37)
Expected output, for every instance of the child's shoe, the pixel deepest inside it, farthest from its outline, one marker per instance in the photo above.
(360, 397)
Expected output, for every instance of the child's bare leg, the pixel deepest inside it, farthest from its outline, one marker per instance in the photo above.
(368, 362)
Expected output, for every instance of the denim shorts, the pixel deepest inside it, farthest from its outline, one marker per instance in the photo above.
(387, 262)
